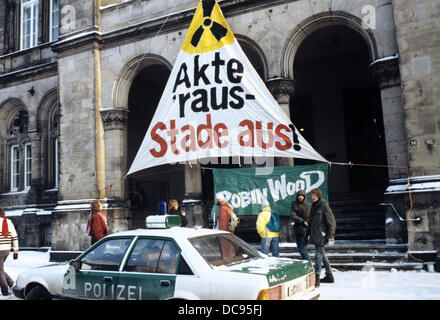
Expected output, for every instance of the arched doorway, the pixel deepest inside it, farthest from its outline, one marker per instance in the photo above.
(337, 107)
(147, 187)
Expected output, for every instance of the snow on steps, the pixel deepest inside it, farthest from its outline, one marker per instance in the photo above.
(360, 255)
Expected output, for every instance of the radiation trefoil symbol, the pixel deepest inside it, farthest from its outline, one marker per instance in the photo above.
(217, 30)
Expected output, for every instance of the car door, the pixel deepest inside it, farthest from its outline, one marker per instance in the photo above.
(97, 277)
(150, 271)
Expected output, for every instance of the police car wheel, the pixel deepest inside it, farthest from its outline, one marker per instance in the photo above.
(38, 293)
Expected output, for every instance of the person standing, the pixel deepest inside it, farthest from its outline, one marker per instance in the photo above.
(8, 234)
(299, 213)
(270, 240)
(97, 226)
(174, 209)
(224, 216)
(224, 213)
(321, 231)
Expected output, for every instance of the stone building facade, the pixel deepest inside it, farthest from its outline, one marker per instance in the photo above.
(80, 79)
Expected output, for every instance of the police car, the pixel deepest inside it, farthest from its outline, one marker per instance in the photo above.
(168, 262)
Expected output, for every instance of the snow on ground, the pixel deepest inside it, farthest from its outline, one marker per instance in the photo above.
(349, 285)
(382, 285)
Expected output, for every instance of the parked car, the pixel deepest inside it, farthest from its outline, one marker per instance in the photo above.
(165, 262)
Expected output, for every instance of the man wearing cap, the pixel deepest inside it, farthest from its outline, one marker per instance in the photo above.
(224, 212)
(270, 241)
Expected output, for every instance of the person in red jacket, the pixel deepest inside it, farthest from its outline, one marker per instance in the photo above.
(224, 212)
(97, 226)
(224, 216)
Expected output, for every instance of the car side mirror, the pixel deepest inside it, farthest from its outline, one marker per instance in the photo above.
(76, 264)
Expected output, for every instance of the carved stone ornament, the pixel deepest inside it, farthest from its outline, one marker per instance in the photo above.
(281, 89)
(386, 71)
(113, 118)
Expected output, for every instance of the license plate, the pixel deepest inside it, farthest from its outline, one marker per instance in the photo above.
(295, 288)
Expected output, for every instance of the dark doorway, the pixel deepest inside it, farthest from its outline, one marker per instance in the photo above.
(365, 138)
(147, 187)
(337, 108)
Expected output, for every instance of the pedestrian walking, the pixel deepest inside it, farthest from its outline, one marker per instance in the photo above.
(299, 214)
(321, 231)
(97, 226)
(224, 213)
(174, 209)
(8, 235)
(270, 240)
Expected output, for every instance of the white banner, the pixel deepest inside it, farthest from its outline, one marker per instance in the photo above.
(216, 105)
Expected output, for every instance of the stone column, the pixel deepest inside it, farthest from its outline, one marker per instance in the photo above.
(115, 134)
(386, 71)
(419, 50)
(282, 90)
(193, 202)
(82, 150)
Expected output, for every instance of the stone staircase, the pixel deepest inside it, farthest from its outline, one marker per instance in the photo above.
(359, 216)
(363, 256)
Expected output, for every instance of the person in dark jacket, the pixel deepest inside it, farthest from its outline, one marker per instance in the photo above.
(321, 231)
(299, 214)
(174, 209)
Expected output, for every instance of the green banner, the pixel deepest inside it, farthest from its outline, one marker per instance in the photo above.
(245, 188)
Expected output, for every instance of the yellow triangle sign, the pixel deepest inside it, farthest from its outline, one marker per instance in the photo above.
(208, 30)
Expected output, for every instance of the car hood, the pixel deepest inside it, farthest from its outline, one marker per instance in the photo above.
(50, 276)
(276, 270)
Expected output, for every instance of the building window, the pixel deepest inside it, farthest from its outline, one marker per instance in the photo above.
(29, 23)
(54, 166)
(15, 168)
(56, 162)
(54, 19)
(20, 152)
(28, 166)
(54, 133)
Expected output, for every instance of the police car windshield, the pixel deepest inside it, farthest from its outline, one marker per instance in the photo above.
(224, 249)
